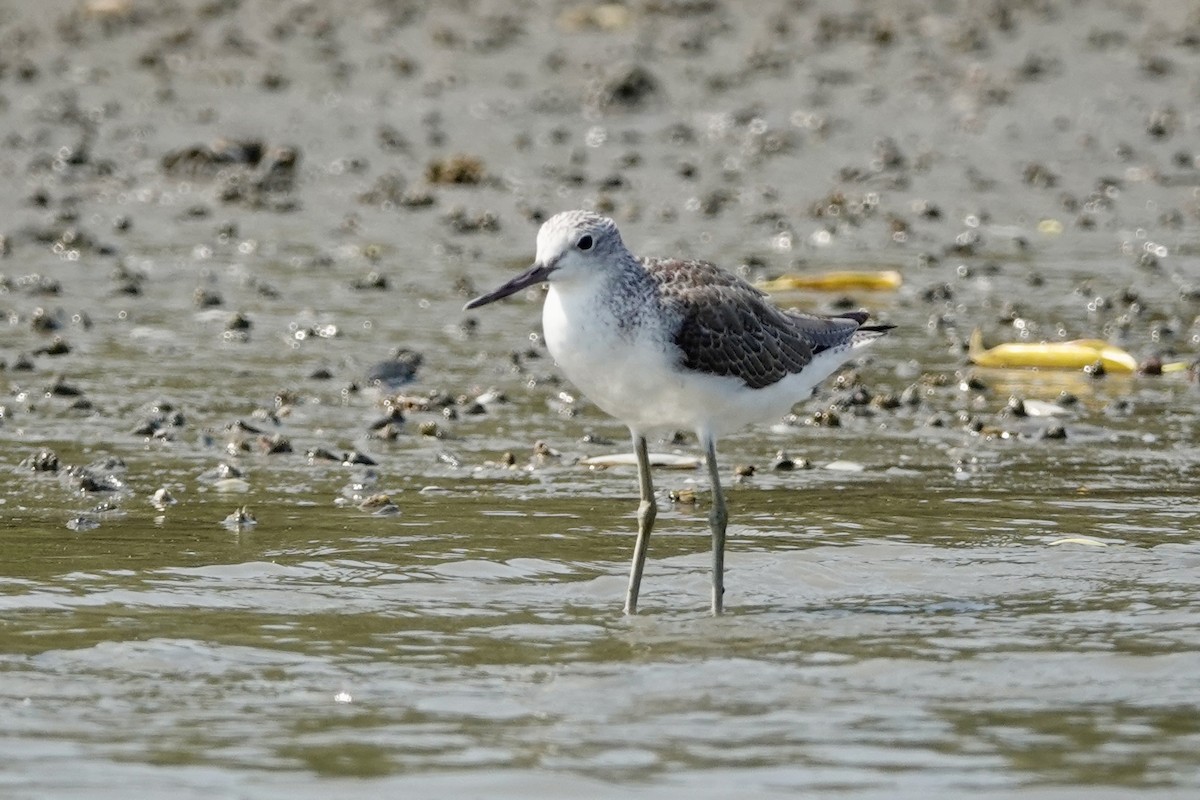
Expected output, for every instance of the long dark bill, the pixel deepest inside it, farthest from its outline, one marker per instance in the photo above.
(535, 274)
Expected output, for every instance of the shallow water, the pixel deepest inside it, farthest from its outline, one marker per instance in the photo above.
(896, 630)
(946, 602)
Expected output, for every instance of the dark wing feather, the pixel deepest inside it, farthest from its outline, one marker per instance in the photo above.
(727, 327)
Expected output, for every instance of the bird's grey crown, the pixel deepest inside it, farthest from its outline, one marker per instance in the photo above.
(606, 237)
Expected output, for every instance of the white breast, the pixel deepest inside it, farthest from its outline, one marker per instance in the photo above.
(616, 368)
(632, 372)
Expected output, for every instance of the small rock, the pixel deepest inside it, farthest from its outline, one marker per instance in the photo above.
(827, 418)
(379, 505)
(1055, 432)
(457, 170)
(232, 486)
(686, 496)
(356, 459)
(272, 445)
(238, 322)
(541, 450)
(784, 463)
(401, 369)
(162, 498)
(628, 87)
(42, 461)
(222, 471)
(240, 519)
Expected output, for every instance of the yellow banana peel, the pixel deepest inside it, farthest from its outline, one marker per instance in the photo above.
(1051, 355)
(838, 281)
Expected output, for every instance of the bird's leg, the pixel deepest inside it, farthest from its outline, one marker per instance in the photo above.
(717, 519)
(647, 510)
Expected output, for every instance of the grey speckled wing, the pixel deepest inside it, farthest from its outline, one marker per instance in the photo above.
(727, 327)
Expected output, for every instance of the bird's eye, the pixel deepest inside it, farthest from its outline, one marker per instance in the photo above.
(585, 242)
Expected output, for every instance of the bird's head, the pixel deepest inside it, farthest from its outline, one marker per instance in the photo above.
(571, 246)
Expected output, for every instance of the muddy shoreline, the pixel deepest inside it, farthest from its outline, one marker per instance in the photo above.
(222, 221)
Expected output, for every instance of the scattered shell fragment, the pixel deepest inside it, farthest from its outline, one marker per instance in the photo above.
(109, 8)
(1055, 432)
(219, 473)
(275, 443)
(541, 450)
(1040, 408)
(668, 460)
(379, 505)
(356, 459)
(462, 170)
(684, 497)
(1079, 540)
(606, 17)
(785, 463)
(43, 460)
(232, 485)
(240, 519)
(162, 498)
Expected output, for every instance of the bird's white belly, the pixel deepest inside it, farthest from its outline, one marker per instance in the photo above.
(633, 375)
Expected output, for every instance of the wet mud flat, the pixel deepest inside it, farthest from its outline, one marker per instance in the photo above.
(257, 461)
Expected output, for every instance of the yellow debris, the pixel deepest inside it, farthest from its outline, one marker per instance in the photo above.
(837, 281)
(109, 8)
(1050, 355)
(606, 17)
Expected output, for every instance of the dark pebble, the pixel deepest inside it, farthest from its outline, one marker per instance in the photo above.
(394, 416)
(356, 459)
(321, 454)
(238, 322)
(274, 445)
(1055, 432)
(826, 419)
(60, 388)
(222, 471)
(42, 461)
(401, 369)
(782, 462)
